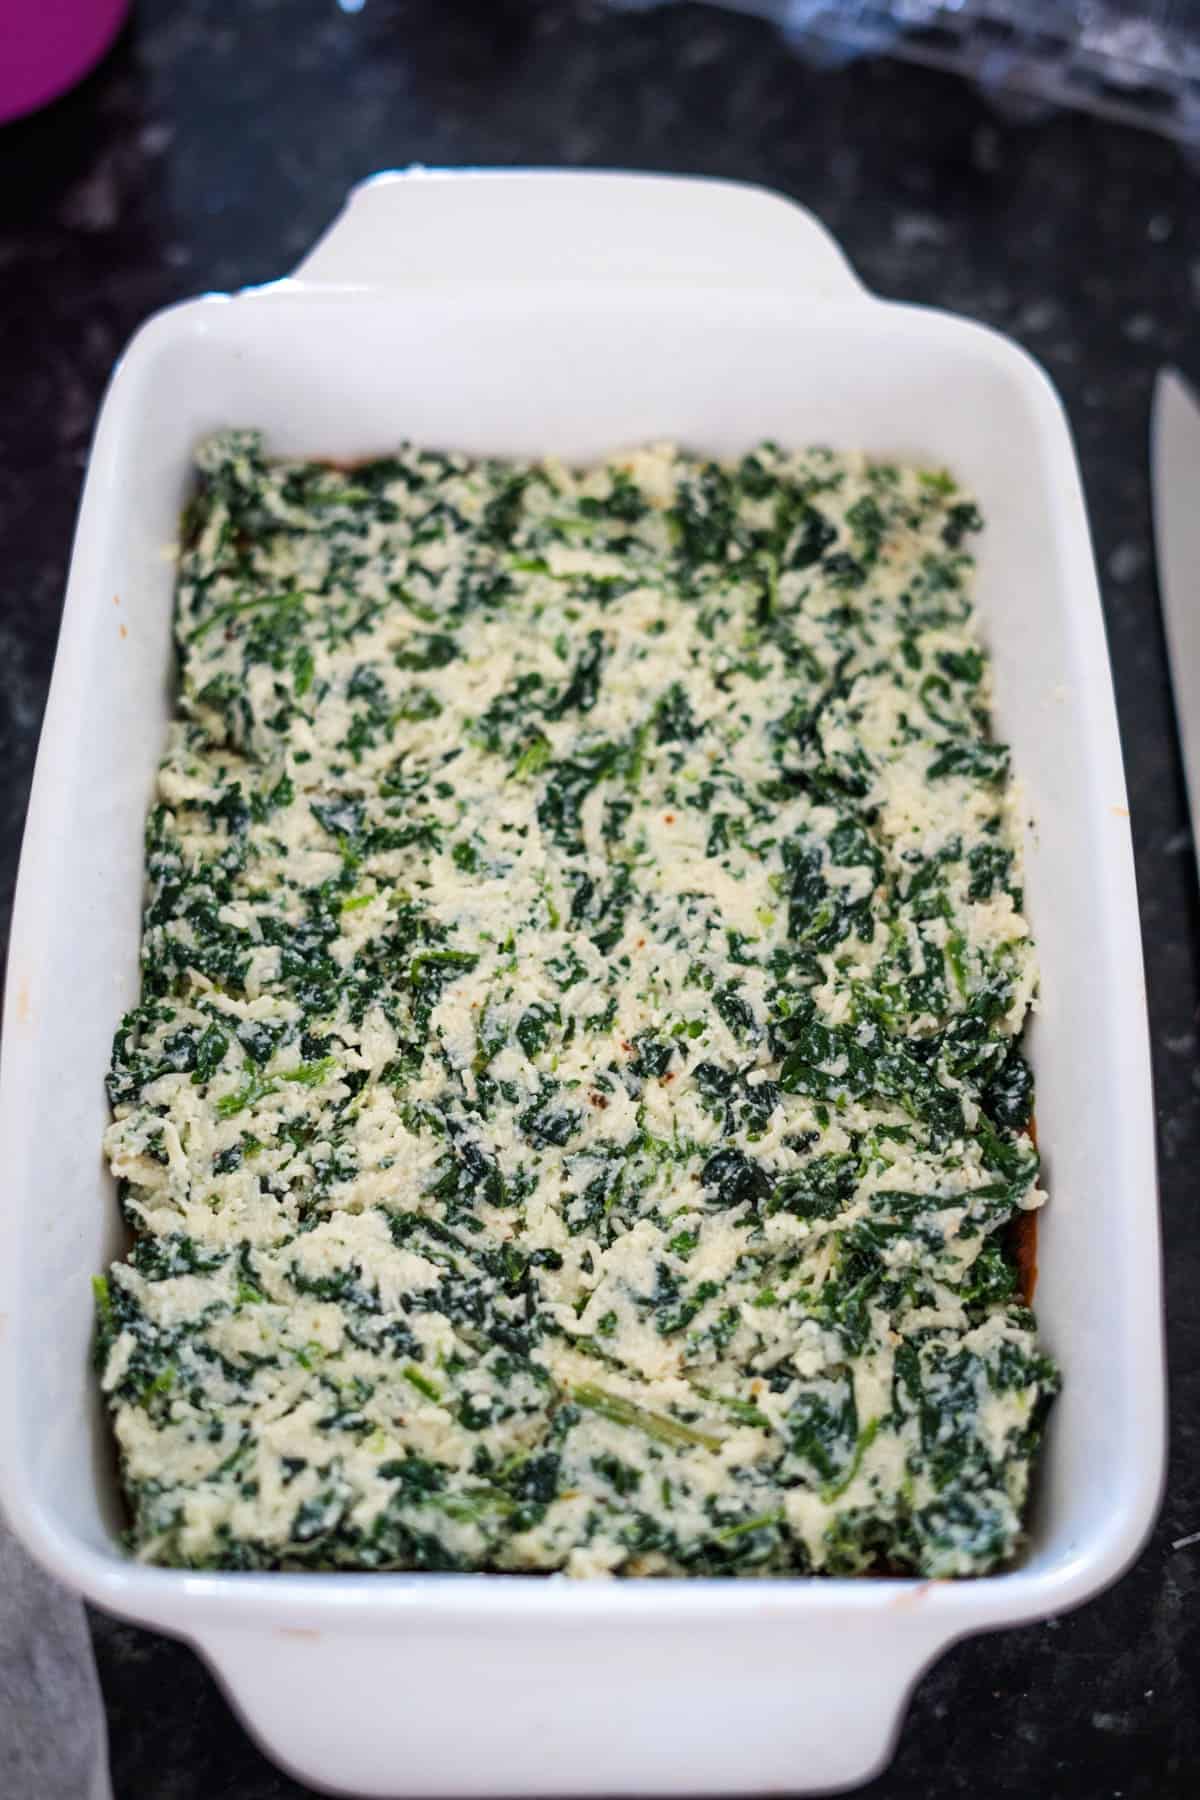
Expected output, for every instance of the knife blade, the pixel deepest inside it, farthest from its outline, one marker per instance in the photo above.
(1175, 488)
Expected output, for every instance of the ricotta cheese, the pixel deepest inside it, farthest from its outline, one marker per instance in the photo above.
(575, 1111)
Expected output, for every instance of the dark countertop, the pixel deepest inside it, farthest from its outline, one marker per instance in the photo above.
(209, 150)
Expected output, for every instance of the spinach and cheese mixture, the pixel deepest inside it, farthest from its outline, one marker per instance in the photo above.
(574, 1119)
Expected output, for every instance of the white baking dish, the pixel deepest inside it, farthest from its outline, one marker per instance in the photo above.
(578, 313)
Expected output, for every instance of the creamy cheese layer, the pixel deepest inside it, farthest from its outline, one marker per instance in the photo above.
(575, 1116)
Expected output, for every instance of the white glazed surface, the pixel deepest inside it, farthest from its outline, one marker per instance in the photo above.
(521, 314)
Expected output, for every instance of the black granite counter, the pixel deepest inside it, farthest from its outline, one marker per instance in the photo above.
(209, 150)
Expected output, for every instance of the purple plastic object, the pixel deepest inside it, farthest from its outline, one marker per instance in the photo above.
(46, 46)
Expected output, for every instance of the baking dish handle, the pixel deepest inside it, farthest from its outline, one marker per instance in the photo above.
(575, 1708)
(525, 226)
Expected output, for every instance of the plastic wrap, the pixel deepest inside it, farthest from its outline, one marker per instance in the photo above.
(1135, 62)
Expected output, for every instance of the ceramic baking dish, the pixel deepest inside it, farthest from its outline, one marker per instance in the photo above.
(523, 313)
